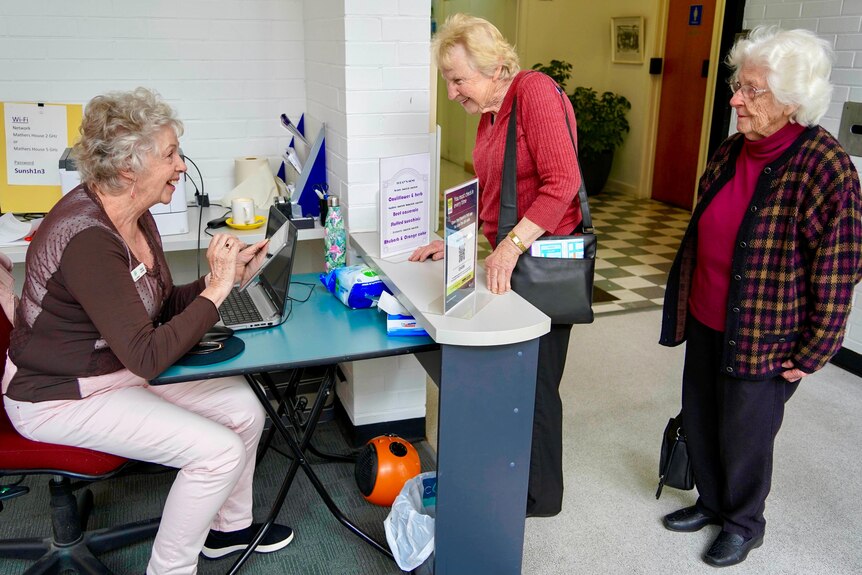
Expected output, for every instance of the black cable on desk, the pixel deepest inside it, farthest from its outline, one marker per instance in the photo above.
(290, 301)
(310, 291)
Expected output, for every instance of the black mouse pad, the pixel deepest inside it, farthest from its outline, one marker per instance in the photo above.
(231, 347)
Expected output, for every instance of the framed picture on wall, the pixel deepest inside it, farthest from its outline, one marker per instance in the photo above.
(627, 40)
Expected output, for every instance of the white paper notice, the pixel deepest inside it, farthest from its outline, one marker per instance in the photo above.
(404, 202)
(35, 139)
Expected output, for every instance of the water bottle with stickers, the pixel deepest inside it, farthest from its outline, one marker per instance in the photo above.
(335, 240)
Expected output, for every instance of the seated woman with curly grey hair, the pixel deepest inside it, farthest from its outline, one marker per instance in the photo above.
(762, 284)
(99, 316)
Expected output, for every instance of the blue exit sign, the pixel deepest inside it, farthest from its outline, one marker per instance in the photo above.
(695, 14)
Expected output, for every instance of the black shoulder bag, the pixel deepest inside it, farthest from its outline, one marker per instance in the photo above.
(562, 288)
(674, 466)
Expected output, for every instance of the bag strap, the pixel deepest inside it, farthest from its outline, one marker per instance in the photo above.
(509, 188)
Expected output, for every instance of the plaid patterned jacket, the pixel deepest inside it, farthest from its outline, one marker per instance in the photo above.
(797, 258)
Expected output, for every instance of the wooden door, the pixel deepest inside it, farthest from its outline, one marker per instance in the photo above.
(683, 92)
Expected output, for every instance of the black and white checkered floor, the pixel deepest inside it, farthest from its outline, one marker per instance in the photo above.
(638, 239)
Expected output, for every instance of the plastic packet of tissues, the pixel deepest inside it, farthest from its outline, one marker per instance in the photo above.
(357, 287)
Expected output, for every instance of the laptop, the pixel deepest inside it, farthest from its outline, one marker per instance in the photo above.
(263, 304)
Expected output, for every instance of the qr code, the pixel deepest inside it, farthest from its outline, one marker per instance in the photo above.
(462, 253)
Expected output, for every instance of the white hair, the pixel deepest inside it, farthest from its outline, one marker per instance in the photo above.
(798, 65)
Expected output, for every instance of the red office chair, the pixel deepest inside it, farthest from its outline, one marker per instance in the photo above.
(71, 547)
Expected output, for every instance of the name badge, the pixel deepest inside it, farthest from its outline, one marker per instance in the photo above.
(139, 272)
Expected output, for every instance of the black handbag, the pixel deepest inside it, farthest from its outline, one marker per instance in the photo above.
(674, 468)
(562, 288)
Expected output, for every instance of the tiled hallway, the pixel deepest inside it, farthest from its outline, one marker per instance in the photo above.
(637, 241)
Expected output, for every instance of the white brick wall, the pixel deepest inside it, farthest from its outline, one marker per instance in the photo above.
(840, 22)
(367, 69)
(380, 101)
(229, 67)
(367, 66)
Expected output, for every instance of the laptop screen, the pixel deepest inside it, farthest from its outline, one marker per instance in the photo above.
(274, 221)
(275, 277)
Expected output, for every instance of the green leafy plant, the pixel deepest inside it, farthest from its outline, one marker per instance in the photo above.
(559, 70)
(602, 123)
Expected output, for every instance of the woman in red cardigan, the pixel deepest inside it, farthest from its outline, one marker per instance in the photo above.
(482, 74)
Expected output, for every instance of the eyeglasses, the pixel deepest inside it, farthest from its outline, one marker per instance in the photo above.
(749, 92)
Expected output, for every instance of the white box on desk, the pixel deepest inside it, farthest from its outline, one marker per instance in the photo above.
(397, 325)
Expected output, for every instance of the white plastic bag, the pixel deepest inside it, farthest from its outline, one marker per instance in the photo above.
(410, 524)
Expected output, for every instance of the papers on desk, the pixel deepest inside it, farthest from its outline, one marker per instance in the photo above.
(13, 230)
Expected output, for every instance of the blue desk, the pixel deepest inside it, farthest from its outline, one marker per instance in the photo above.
(320, 331)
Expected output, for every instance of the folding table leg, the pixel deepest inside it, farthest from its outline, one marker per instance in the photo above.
(293, 380)
(290, 407)
(298, 449)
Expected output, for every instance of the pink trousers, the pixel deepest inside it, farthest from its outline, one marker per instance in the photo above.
(207, 429)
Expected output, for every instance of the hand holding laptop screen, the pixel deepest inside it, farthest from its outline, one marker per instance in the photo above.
(249, 260)
(276, 242)
(263, 303)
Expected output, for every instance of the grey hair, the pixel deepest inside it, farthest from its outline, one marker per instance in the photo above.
(118, 131)
(798, 65)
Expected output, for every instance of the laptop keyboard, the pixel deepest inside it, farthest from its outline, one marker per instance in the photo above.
(238, 308)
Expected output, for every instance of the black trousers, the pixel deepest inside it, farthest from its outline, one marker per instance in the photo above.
(730, 427)
(545, 491)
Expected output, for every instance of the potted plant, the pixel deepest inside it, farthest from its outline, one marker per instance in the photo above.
(602, 125)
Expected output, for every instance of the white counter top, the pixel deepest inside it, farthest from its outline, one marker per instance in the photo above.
(188, 241)
(504, 319)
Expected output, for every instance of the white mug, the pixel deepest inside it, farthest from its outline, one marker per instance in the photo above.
(242, 211)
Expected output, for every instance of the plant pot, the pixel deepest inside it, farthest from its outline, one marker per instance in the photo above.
(596, 169)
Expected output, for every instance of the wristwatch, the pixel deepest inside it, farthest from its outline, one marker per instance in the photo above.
(517, 241)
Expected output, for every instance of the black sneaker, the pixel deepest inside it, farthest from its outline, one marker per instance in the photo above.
(221, 544)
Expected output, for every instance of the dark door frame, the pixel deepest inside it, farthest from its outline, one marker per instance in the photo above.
(719, 126)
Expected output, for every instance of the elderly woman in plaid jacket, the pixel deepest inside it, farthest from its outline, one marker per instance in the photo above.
(762, 284)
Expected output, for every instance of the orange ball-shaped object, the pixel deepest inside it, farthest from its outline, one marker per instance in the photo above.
(383, 466)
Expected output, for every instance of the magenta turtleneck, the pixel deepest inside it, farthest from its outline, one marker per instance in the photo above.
(719, 225)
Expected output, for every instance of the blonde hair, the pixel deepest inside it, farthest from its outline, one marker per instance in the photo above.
(118, 131)
(486, 48)
(798, 65)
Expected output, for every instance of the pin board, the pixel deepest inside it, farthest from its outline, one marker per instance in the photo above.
(34, 137)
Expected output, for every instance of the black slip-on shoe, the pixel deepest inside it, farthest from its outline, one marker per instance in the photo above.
(688, 520)
(730, 549)
(545, 514)
(223, 543)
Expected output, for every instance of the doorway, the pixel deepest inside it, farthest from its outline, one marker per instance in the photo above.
(684, 79)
